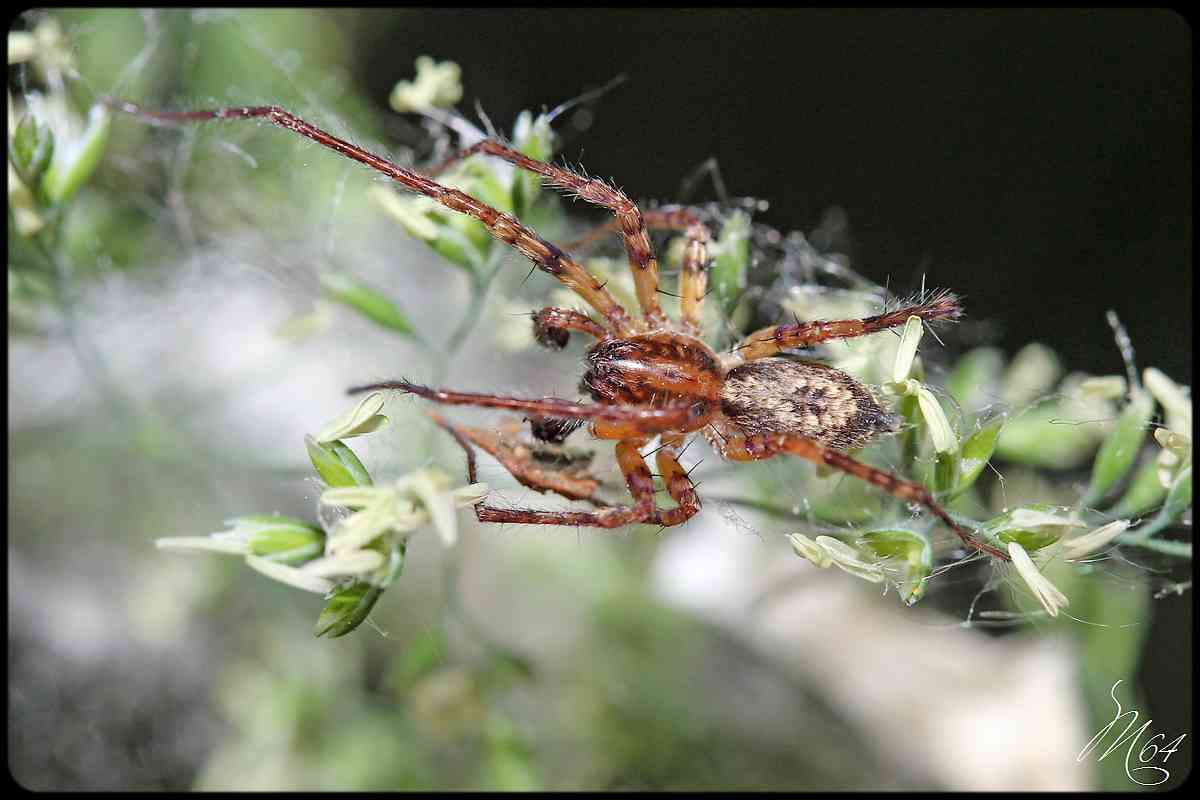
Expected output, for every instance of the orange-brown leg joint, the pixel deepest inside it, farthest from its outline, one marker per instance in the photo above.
(679, 485)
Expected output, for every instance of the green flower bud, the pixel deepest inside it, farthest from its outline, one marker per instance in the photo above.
(1033, 371)
(31, 149)
(973, 381)
(346, 609)
(916, 551)
(336, 463)
(1033, 527)
(278, 538)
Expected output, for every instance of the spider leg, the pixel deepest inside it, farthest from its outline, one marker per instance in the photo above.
(551, 326)
(613, 422)
(518, 459)
(637, 479)
(504, 227)
(592, 190)
(771, 340)
(753, 448)
(679, 485)
(693, 281)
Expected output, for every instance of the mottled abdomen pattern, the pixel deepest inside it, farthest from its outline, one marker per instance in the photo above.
(816, 401)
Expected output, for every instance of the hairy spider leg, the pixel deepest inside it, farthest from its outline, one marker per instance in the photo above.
(642, 262)
(771, 340)
(637, 478)
(518, 460)
(608, 422)
(679, 485)
(551, 326)
(693, 282)
(543, 254)
(753, 448)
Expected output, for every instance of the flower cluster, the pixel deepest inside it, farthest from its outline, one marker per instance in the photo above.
(353, 560)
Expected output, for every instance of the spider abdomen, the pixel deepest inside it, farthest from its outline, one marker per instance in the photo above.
(802, 398)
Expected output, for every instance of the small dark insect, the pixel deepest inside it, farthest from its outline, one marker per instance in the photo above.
(651, 376)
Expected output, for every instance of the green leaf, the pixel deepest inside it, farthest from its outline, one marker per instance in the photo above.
(347, 609)
(976, 452)
(1120, 449)
(732, 261)
(366, 301)
(1145, 491)
(945, 471)
(336, 463)
(73, 163)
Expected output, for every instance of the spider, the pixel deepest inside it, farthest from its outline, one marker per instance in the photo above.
(648, 376)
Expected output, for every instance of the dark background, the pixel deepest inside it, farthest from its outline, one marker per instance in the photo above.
(1038, 162)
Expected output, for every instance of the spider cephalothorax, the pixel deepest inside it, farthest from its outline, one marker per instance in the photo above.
(650, 377)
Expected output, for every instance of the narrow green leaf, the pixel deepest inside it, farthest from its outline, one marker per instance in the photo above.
(366, 301)
(75, 162)
(945, 471)
(1145, 491)
(1120, 449)
(347, 609)
(976, 452)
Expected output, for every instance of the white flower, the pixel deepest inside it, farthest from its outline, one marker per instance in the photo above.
(413, 501)
(907, 350)
(290, 575)
(437, 85)
(1105, 387)
(1045, 591)
(1029, 518)
(353, 562)
(1175, 399)
(826, 551)
(197, 544)
(1078, 546)
(360, 420)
